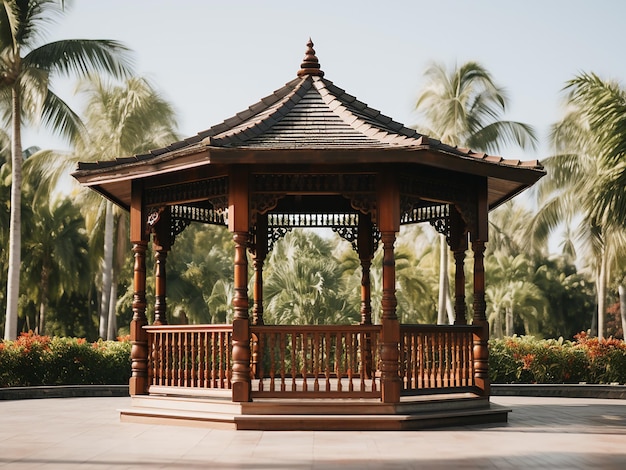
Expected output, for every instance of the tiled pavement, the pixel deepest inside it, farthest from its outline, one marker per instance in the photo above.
(86, 433)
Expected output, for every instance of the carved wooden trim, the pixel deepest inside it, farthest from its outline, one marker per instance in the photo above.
(202, 190)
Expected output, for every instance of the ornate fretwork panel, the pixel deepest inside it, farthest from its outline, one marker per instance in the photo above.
(313, 220)
(274, 234)
(442, 226)
(312, 183)
(178, 225)
(349, 234)
(204, 190)
(199, 214)
(268, 189)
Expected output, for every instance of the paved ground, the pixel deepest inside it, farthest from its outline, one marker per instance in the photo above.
(86, 433)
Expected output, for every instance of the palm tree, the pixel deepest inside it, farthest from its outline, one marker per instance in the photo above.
(463, 107)
(56, 250)
(304, 283)
(124, 119)
(586, 177)
(27, 68)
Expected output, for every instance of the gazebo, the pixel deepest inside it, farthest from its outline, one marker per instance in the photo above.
(310, 155)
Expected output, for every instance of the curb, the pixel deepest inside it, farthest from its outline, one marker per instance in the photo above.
(63, 391)
(617, 392)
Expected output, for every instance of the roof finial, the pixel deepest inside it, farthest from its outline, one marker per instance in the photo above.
(310, 65)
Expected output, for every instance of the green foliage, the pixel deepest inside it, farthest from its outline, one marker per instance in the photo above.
(529, 360)
(33, 360)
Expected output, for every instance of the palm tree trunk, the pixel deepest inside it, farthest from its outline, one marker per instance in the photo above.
(112, 323)
(622, 308)
(15, 227)
(43, 299)
(601, 289)
(107, 270)
(509, 321)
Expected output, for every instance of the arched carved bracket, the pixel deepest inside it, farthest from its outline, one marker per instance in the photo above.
(467, 210)
(350, 234)
(261, 203)
(365, 203)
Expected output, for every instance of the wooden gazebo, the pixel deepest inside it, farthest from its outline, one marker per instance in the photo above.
(310, 155)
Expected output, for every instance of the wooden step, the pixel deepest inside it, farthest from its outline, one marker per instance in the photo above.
(423, 412)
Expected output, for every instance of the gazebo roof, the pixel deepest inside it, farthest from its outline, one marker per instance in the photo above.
(308, 121)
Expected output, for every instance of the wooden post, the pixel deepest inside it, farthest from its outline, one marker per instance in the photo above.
(388, 213)
(238, 223)
(260, 253)
(458, 236)
(481, 339)
(365, 245)
(138, 384)
(161, 245)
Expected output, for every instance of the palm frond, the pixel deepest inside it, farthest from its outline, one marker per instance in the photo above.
(82, 57)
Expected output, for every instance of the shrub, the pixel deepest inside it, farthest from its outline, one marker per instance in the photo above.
(528, 360)
(33, 360)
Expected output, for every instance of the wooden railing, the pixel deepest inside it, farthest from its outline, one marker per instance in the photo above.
(436, 357)
(315, 361)
(191, 356)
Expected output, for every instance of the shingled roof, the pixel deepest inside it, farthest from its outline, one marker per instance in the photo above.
(308, 113)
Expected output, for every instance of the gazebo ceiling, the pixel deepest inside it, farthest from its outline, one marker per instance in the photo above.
(309, 121)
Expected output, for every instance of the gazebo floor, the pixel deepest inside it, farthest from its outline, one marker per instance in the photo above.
(426, 411)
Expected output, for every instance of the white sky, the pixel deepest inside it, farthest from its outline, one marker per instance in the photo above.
(212, 59)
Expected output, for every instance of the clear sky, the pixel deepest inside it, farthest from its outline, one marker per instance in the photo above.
(212, 59)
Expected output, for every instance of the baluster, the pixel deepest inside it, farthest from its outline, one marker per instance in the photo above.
(373, 347)
(261, 360)
(294, 359)
(448, 354)
(168, 359)
(429, 341)
(408, 341)
(440, 365)
(327, 341)
(214, 375)
(185, 363)
(194, 359)
(272, 350)
(365, 357)
(457, 360)
(350, 361)
(175, 359)
(408, 362)
(316, 361)
(202, 365)
(228, 341)
(338, 360)
(157, 346)
(223, 352)
(305, 346)
(282, 345)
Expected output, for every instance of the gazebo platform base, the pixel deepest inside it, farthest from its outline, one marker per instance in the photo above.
(429, 411)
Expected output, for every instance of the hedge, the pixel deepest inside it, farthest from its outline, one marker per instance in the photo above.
(33, 360)
(528, 360)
